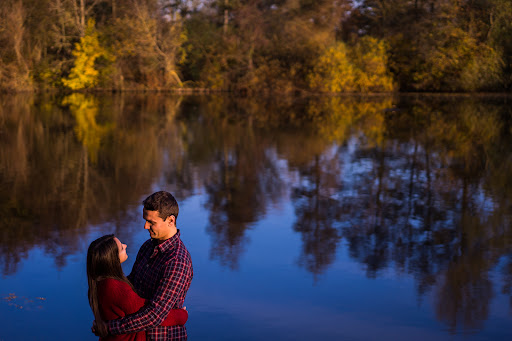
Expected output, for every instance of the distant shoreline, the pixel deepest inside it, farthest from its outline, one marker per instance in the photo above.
(243, 93)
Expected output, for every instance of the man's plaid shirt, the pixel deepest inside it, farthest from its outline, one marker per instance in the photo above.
(162, 274)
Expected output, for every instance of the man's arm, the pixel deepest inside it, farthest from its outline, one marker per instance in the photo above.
(118, 300)
(171, 286)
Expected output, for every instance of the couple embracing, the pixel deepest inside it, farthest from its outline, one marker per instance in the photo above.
(148, 303)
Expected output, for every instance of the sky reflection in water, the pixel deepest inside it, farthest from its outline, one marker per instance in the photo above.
(346, 218)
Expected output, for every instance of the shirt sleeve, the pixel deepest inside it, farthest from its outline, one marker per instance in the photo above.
(171, 286)
(119, 299)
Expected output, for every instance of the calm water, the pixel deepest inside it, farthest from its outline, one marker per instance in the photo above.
(338, 218)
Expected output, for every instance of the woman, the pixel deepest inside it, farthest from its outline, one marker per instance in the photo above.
(111, 294)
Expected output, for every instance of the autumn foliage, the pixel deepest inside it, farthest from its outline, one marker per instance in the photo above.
(256, 45)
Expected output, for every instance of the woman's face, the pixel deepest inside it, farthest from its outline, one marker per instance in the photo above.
(122, 250)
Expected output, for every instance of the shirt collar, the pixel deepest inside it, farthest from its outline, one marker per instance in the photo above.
(169, 243)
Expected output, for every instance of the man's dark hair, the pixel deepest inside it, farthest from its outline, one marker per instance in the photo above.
(164, 203)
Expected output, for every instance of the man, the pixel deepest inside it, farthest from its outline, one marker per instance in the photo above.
(162, 272)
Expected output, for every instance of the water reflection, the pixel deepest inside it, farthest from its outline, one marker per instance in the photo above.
(419, 185)
(65, 165)
(240, 175)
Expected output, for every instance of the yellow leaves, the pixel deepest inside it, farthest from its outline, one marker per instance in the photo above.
(452, 59)
(361, 68)
(51, 76)
(335, 118)
(466, 137)
(85, 73)
(484, 70)
(333, 71)
(87, 129)
(183, 51)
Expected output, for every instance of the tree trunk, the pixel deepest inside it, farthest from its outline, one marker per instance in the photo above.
(82, 15)
(17, 18)
(226, 17)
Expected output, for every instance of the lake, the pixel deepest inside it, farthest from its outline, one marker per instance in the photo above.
(307, 218)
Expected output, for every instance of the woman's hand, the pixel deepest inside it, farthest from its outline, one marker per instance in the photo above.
(99, 331)
(93, 328)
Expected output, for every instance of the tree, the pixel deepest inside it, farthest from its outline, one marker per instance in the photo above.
(500, 34)
(362, 67)
(451, 60)
(14, 65)
(445, 46)
(333, 71)
(85, 73)
(148, 44)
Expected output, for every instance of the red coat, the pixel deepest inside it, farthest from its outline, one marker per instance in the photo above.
(117, 299)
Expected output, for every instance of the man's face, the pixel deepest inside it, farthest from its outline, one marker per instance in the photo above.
(157, 227)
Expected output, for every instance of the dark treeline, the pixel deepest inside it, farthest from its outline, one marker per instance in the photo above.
(257, 45)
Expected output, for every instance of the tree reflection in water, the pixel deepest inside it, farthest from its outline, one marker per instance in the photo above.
(65, 166)
(419, 185)
(241, 179)
(317, 213)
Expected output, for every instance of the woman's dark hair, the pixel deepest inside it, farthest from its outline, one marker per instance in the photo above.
(102, 262)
